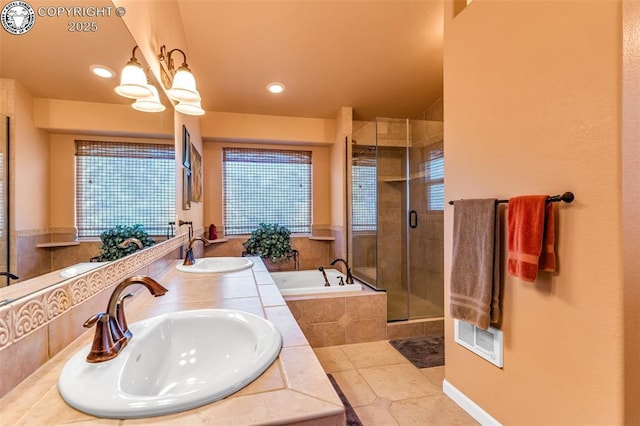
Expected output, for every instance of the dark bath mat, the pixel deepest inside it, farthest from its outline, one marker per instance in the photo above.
(352, 417)
(423, 351)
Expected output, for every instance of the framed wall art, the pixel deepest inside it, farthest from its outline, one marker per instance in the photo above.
(186, 148)
(196, 175)
(186, 189)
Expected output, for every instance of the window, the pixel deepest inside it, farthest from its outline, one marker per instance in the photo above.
(266, 186)
(363, 191)
(434, 175)
(119, 183)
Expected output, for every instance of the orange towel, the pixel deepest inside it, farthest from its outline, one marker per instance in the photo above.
(531, 235)
(548, 255)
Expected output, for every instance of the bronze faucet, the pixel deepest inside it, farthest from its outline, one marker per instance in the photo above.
(189, 259)
(349, 276)
(10, 275)
(188, 223)
(131, 240)
(112, 332)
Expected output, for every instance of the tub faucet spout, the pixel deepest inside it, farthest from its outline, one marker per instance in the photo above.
(10, 275)
(324, 274)
(346, 265)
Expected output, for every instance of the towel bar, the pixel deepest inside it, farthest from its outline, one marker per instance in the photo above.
(567, 197)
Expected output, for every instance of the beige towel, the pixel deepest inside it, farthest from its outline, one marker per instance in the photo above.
(475, 269)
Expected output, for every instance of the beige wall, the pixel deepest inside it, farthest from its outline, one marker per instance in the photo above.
(226, 126)
(31, 166)
(338, 167)
(532, 103)
(338, 181)
(57, 115)
(631, 206)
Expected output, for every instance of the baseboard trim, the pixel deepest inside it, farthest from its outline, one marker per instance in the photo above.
(473, 409)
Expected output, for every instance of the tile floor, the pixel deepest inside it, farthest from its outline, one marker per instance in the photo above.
(386, 389)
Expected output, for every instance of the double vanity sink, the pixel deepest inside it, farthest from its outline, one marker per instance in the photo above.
(197, 343)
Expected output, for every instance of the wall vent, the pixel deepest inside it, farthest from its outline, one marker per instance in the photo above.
(485, 343)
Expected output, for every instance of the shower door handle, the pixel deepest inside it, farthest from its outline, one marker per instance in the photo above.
(413, 219)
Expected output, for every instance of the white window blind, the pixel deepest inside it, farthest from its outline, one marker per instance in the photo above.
(120, 183)
(434, 174)
(266, 186)
(364, 191)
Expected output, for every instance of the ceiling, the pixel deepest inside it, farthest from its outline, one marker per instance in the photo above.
(381, 57)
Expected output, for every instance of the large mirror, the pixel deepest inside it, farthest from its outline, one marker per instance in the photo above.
(50, 99)
(4, 190)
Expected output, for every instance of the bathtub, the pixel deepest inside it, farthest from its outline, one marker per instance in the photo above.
(311, 281)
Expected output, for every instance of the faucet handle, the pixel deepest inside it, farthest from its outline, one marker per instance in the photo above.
(341, 280)
(122, 321)
(99, 317)
(103, 347)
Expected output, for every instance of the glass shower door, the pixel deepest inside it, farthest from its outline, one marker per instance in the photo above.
(392, 212)
(363, 221)
(425, 242)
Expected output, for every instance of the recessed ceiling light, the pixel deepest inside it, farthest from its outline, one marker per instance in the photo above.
(102, 71)
(275, 87)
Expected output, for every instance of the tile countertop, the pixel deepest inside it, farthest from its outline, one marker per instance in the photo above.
(293, 390)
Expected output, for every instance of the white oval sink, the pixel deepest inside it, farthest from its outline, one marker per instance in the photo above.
(173, 362)
(79, 268)
(208, 265)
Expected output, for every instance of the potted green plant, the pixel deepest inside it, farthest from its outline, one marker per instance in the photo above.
(112, 238)
(270, 241)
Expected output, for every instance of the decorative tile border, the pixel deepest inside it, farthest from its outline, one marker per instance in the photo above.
(25, 315)
(33, 232)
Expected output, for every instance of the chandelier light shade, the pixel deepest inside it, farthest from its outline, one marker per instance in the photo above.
(149, 104)
(180, 83)
(133, 80)
(184, 86)
(190, 107)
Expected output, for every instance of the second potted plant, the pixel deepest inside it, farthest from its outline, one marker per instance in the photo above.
(270, 241)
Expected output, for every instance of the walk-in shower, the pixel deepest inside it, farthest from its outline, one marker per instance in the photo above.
(396, 213)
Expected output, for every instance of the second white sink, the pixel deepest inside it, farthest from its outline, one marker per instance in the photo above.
(79, 268)
(208, 265)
